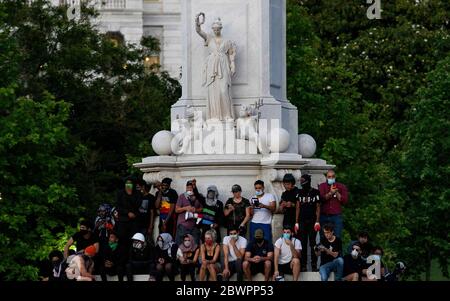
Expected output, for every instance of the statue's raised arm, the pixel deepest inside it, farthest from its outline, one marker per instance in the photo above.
(198, 25)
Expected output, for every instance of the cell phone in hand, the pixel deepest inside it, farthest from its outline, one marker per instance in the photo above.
(255, 202)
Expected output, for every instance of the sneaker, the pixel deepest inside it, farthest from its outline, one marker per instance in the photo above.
(219, 277)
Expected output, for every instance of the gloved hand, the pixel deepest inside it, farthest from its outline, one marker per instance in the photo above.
(317, 227)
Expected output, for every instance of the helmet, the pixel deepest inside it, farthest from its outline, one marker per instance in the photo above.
(138, 236)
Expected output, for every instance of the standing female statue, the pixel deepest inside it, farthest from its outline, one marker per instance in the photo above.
(217, 71)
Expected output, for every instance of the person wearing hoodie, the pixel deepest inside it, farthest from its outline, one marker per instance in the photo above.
(186, 223)
(113, 258)
(187, 256)
(141, 259)
(212, 213)
(166, 255)
(127, 205)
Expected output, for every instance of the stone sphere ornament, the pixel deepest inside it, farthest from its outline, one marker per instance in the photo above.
(161, 143)
(306, 145)
(279, 140)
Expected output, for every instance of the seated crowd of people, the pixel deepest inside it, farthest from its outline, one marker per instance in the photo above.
(187, 240)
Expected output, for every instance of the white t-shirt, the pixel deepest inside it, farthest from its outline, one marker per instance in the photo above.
(285, 253)
(263, 215)
(241, 243)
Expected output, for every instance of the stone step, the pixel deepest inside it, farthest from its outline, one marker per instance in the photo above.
(304, 276)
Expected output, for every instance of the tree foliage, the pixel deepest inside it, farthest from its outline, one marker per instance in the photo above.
(75, 108)
(355, 81)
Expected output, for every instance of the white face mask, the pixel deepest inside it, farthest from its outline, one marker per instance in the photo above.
(355, 254)
(187, 244)
(138, 245)
(190, 193)
(234, 236)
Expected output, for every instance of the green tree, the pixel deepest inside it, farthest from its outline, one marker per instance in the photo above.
(424, 170)
(117, 104)
(36, 195)
(354, 80)
(60, 159)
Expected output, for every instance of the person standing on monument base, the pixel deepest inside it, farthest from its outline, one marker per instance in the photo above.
(263, 207)
(309, 225)
(187, 205)
(166, 198)
(127, 205)
(334, 195)
(237, 211)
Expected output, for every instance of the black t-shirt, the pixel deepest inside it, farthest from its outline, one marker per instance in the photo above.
(167, 198)
(82, 243)
(308, 204)
(261, 251)
(147, 204)
(172, 196)
(289, 213)
(353, 265)
(236, 216)
(335, 246)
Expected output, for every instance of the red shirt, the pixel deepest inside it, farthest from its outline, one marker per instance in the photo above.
(332, 205)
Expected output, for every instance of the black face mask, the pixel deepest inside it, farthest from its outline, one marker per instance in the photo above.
(56, 263)
(84, 232)
(306, 185)
(259, 240)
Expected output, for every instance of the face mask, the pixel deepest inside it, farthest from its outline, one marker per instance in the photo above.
(84, 232)
(286, 236)
(259, 192)
(187, 243)
(56, 263)
(355, 254)
(331, 181)
(138, 245)
(306, 185)
(259, 240)
(209, 242)
(128, 186)
(160, 244)
(377, 257)
(234, 236)
(190, 193)
(113, 245)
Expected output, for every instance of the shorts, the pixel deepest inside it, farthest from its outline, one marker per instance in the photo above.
(285, 268)
(256, 268)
